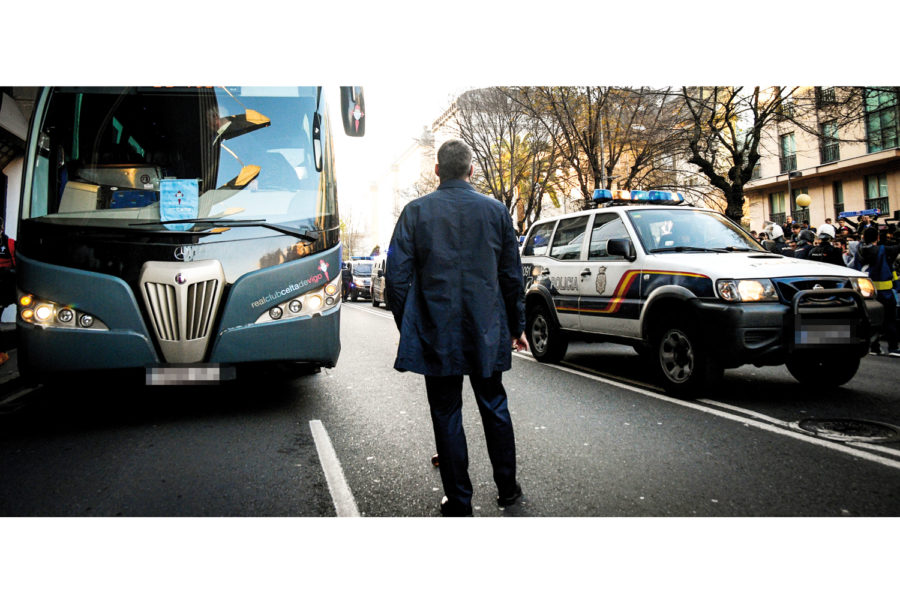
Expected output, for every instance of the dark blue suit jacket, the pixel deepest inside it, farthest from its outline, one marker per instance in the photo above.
(454, 283)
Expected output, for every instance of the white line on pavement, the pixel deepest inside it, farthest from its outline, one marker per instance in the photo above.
(341, 495)
(384, 314)
(726, 415)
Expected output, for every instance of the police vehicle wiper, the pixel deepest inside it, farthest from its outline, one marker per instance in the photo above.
(307, 235)
(735, 249)
(686, 249)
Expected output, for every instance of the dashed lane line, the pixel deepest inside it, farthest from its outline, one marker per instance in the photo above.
(759, 421)
(341, 495)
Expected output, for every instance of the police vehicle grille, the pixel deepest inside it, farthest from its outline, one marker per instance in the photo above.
(166, 312)
(789, 287)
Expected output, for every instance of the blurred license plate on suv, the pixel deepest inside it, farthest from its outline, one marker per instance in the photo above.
(817, 332)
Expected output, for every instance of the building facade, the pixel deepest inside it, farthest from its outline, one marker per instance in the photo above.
(837, 145)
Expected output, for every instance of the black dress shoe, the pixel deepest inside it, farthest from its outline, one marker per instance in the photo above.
(454, 510)
(510, 498)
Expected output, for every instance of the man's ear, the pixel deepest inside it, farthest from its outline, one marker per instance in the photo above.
(437, 169)
(471, 170)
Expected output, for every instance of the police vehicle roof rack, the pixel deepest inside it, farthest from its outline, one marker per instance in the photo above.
(605, 198)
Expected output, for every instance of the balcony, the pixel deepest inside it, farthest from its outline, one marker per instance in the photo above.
(880, 203)
(788, 163)
(825, 95)
(800, 215)
(831, 153)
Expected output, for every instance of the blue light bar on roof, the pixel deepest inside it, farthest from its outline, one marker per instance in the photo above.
(658, 196)
(601, 195)
(639, 195)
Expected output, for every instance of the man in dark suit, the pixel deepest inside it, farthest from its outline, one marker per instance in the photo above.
(454, 284)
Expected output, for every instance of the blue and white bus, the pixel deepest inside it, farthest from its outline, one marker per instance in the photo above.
(180, 231)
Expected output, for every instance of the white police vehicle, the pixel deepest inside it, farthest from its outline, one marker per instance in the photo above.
(692, 292)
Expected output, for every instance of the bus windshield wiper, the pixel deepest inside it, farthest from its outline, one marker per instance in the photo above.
(686, 249)
(308, 235)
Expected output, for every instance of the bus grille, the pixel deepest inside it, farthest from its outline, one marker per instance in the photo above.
(163, 305)
(181, 299)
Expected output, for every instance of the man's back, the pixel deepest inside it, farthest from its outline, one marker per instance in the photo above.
(455, 283)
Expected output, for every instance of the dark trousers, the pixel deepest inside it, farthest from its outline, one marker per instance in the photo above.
(445, 399)
(889, 329)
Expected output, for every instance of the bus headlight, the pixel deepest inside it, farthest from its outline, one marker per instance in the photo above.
(746, 290)
(306, 305)
(864, 286)
(48, 313)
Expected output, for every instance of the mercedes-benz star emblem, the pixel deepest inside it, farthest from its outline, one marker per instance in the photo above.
(179, 253)
(818, 287)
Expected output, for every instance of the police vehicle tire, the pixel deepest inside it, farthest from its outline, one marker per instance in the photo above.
(823, 370)
(547, 341)
(684, 364)
(354, 295)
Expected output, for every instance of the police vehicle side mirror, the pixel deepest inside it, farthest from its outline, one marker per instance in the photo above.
(621, 247)
(769, 245)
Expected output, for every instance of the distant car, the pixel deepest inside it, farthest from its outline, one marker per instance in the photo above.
(377, 289)
(361, 281)
(693, 293)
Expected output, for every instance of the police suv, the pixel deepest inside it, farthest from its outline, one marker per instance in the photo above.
(692, 292)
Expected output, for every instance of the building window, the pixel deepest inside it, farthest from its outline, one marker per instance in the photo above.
(877, 192)
(838, 198)
(830, 144)
(788, 153)
(881, 118)
(825, 95)
(777, 212)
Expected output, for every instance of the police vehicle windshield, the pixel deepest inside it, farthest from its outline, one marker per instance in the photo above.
(364, 269)
(678, 230)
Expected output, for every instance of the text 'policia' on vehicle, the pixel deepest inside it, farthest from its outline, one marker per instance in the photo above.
(692, 292)
(180, 231)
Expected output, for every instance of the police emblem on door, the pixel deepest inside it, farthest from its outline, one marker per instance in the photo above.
(601, 281)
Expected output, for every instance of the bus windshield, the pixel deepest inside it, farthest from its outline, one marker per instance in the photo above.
(111, 157)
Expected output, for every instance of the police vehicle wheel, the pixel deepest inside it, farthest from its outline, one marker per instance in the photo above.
(823, 370)
(354, 296)
(684, 365)
(548, 342)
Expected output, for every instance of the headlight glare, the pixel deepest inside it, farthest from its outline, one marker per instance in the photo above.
(865, 287)
(747, 290)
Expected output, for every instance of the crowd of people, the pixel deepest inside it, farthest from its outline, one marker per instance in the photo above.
(865, 245)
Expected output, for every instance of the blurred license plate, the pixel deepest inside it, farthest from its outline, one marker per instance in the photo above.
(189, 375)
(813, 332)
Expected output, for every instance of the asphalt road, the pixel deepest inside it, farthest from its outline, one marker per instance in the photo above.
(595, 439)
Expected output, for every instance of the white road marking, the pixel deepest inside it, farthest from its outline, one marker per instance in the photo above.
(765, 426)
(378, 312)
(341, 495)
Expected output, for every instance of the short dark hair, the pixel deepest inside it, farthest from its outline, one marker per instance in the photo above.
(795, 224)
(454, 159)
(870, 235)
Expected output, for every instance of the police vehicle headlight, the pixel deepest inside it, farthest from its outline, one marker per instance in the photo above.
(746, 290)
(864, 286)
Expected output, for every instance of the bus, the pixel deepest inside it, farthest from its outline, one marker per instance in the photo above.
(180, 231)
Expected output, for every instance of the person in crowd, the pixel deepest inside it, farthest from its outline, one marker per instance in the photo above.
(824, 250)
(788, 224)
(844, 227)
(796, 228)
(880, 259)
(464, 324)
(804, 245)
(776, 234)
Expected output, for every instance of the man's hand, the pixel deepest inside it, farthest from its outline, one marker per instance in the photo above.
(520, 343)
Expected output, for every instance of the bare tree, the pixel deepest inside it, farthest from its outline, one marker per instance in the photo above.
(516, 158)
(351, 235)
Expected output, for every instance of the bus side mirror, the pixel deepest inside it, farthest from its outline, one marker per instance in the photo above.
(353, 107)
(621, 247)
